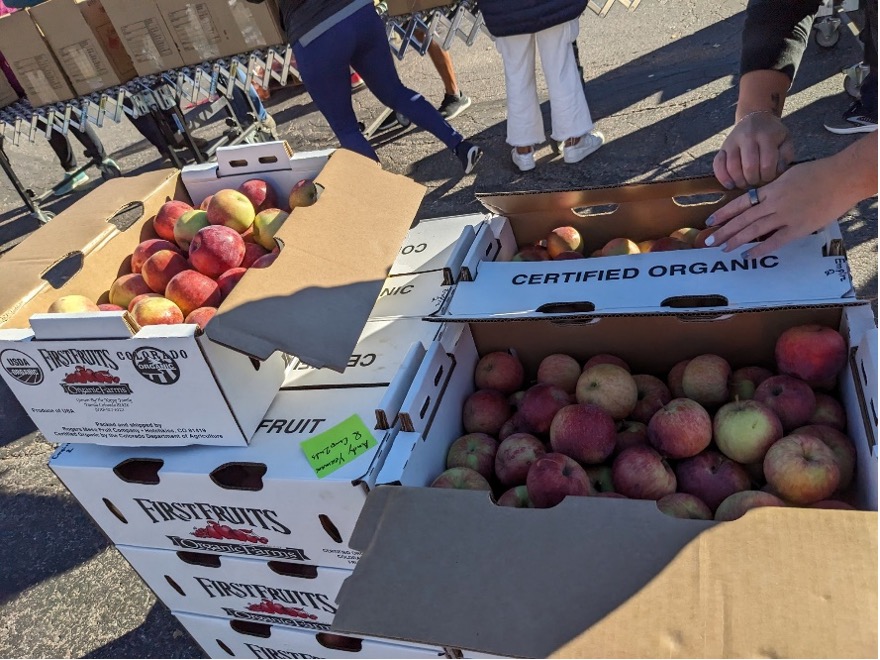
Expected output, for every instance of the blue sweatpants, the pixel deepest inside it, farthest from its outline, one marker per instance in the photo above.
(359, 41)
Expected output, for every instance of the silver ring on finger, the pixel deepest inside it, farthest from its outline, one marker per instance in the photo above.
(753, 196)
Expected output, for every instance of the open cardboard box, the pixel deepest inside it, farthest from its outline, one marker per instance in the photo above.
(173, 385)
(811, 270)
(597, 577)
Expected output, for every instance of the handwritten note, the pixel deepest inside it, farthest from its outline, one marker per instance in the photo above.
(330, 450)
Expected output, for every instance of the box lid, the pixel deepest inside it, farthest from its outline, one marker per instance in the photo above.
(335, 257)
(438, 244)
(775, 583)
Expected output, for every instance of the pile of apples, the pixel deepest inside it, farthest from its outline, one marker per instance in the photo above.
(567, 243)
(706, 441)
(199, 255)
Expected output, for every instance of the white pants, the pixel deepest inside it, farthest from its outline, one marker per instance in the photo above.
(569, 113)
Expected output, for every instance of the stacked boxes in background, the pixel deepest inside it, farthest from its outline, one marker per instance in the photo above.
(144, 35)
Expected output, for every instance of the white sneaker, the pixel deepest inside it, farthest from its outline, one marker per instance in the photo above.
(524, 162)
(588, 143)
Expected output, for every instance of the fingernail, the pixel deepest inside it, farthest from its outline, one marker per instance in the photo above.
(729, 186)
(710, 240)
(710, 221)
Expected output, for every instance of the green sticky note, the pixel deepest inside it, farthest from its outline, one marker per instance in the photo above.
(330, 450)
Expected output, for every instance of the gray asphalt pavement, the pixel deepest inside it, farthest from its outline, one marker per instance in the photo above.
(661, 85)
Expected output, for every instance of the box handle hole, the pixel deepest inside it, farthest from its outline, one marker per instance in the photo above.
(199, 559)
(267, 160)
(239, 476)
(256, 364)
(302, 571)
(425, 407)
(251, 628)
(698, 199)
(139, 470)
(238, 162)
(597, 209)
(63, 269)
(175, 586)
(116, 512)
(339, 642)
(438, 375)
(127, 215)
(225, 648)
(566, 308)
(330, 528)
(679, 302)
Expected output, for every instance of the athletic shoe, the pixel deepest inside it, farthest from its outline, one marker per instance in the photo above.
(468, 153)
(357, 82)
(575, 153)
(453, 106)
(524, 162)
(70, 182)
(855, 120)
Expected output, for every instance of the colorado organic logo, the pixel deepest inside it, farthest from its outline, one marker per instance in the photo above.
(21, 367)
(155, 365)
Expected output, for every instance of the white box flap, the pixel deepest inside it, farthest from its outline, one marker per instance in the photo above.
(438, 244)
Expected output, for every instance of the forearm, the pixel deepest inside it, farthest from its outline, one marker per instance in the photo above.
(775, 34)
(855, 170)
(762, 91)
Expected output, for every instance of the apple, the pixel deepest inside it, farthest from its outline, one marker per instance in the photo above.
(517, 497)
(683, 505)
(231, 209)
(516, 398)
(793, 400)
(686, 234)
(706, 380)
(641, 473)
(674, 379)
(540, 404)
(515, 455)
(158, 270)
(532, 253)
(125, 288)
(303, 193)
(265, 261)
(215, 250)
(680, 429)
(668, 244)
(568, 255)
(475, 451)
(630, 434)
(110, 307)
(700, 240)
(612, 494)
(645, 246)
(737, 504)
(745, 380)
(553, 477)
(606, 358)
(600, 477)
(252, 252)
(147, 249)
(485, 411)
(205, 202)
(841, 446)
(744, 430)
(190, 290)
(500, 371)
(829, 412)
(260, 194)
(156, 311)
(564, 239)
(201, 316)
(585, 432)
(187, 226)
(712, 477)
(560, 370)
(167, 217)
(802, 469)
(461, 478)
(515, 424)
(619, 246)
(266, 225)
(814, 353)
(653, 394)
(137, 299)
(73, 304)
(609, 386)
(832, 504)
(229, 279)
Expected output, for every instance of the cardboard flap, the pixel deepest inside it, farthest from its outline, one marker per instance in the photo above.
(798, 273)
(865, 359)
(656, 587)
(85, 325)
(246, 159)
(316, 301)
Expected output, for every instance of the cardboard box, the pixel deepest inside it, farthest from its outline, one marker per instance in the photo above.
(258, 24)
(812, 270)
(8, 95)
(266, 591)
(221, 638)
(144, 35)
(401, 7)
(625, 580)
(32, 61)
(304, 304)
(85, 43)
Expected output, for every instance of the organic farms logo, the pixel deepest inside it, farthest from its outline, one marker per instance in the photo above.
(214, 530)
(156, 365)
(21, 367)
(83, 375)
(83, 380)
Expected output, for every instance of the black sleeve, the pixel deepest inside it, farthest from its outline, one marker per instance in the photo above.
(776, 33)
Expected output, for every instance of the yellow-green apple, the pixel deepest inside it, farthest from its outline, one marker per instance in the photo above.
(802, 469)
(127, 287)
(564, 239)
(252, 252)
(161, 267)
(485, 411)
(568, 255)
(645, 246)
(265, 261)
(230, 208)
(540, 404)
(303, 193)
(461, 478)
(515, 424)
(832, 504)
(560, 370)
(609, 386)
(475, 451)
(201, 316)
(606, 358)
(499, 370)
(147, 249)
(532, 253)
(167, 217)
(190, 290)
(600, 478)
(110, 307)
(841, 446)
(737, 504)
(674, 379)
(517, 497)
(745, 380)
(156, 311)
(553, 477)
(619, 246)
(585, 432)
(686, 234)
(700, 240)
(187, 226)
(515, 456)
(205, 203)
(216, 249)
(814, 353)
(669, 244)
(712, 477)
(630, 434)
(137, 299)
(793, 401)
(680, 429)
(229, 279)
(744, 430)
(73, 304)
(829, 412)
(260, 193)
(706, 380)
(653, 394)
(266, 225)
(642, 474)
(684, 505)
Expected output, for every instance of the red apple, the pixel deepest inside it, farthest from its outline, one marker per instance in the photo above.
(127, 287)
(712, 477)
(532, 253)
(229, 208)
(793, 401)
(553, 477)
(568, 255)
(475, 451)
(744, 381)
(167, 217)
(668, 244)
(461, 478)
(841, 446)
(642, 474)
(485, 411)
(515, 455)
(216, 249)
(706, 380)
(265, 261)
(829, 412)
(109, 307)
(630, 434)
(814, 353)
(802, 469)
(201, 316)
(674, 380)
(560, 370)
(686, 234)
(137, 299)
(190, 290)
(680, 429)
(252, 252)
(737, 504)
(700, 240)
(609, 386)
(229, 279)
(260, 194)
(515, 424)
(683, 505)
(156, 311)
(517, 497)
(652, 395)
(161, 267)
(500, 371)
(540, 404)
(583, 431)
(744, 430)
(620, 246)
(205, 203)
(147, 249)
(832, 504)
(606, 358)
(564, 239)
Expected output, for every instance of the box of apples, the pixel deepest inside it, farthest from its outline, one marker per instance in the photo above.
(637, 485)
(161, 309)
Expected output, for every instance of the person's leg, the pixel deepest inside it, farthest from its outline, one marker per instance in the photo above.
(569, 112)
(149, 129)
(525, 125)
(442, 61)
(89, 139)
(63, 150)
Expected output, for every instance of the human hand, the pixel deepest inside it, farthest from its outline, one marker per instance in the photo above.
(756, 151)
(802, 200)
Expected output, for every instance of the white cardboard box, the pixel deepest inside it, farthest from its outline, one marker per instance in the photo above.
(438, 244)
(267, 591)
